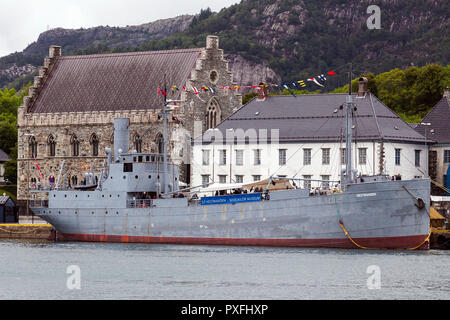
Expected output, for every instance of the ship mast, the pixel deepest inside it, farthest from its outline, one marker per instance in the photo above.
(165, 178)
(349, 106)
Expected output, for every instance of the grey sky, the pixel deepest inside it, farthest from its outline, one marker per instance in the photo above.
(21, 21)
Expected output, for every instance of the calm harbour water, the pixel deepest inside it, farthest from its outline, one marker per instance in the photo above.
(37, 270)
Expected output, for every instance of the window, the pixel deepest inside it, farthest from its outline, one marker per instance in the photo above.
(94, 144)
(127, 167)
(239, 179)
(75, 144)
(212, 114)
(343, 156)
(417, 158)
(256, 177)
(362, 155)
(282, 157)
(222, 178)
(74, 180)
(306, 157)
(137, 142)
(205, 178)
(306, 183)
(205, 157)
(160, 143)
(33, 147)
(222, 157)
(397, 157)
(239, 157)
(325, 181)
(51, 146)
(326, 156)
(446, 156)
(257, 157)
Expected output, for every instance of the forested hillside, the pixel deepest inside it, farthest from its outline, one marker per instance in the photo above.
(293, 38)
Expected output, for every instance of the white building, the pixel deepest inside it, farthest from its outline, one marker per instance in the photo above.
(436, 126)
(303, 137)
(3, 158)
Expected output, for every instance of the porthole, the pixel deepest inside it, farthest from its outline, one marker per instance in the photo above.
(124, 177)
(106, 212)
(110, 195)
(136, 177)
(92, 212)
(65, 196)
(149, 177)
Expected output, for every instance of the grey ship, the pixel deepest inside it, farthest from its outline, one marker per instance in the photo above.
(134, 201)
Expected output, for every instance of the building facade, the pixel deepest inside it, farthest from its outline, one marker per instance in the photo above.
(3, 159)
(436, 126)
(69, 112)
(303, 137)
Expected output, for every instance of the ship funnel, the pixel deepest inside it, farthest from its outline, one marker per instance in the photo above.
(121, 136)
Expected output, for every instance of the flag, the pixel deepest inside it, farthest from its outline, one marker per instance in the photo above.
(287, 88)
(301, 83)
(315, 81)
(39, 169)
(212, 90)
(161, 91)
(184, 88)
(331, 73)
(322, 77)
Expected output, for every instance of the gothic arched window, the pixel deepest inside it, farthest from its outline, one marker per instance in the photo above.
(213, 114)
(160, 143)
(94, 144)
(51, 142)
(137, 142)
(33, 147)
(75, 144)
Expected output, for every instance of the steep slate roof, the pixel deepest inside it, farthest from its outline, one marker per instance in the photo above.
(110, 82)
(312, 118)
(439, 117)
(3, 156)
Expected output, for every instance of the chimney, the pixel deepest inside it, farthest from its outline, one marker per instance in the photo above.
(212, 42)
(262, 92)
(121, 136)
(362, 86)
(54, 51)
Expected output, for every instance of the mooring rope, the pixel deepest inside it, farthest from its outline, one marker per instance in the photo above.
(341, 223)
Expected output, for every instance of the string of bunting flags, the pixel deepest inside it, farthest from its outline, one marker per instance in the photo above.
(294, 85)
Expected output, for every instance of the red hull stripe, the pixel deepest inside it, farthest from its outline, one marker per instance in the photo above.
(405, 242)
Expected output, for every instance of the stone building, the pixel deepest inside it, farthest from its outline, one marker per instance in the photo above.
(69, 112)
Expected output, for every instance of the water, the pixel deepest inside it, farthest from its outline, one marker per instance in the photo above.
(37, 270)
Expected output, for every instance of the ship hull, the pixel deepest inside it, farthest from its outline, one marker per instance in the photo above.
(382, 215)
(406, 242)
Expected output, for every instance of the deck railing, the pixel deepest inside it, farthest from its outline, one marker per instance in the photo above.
(38, 203)
(140, 203)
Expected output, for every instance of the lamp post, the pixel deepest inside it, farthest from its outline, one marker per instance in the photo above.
(426, 147)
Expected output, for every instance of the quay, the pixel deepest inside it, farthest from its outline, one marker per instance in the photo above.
(30, 231)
